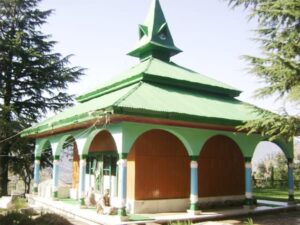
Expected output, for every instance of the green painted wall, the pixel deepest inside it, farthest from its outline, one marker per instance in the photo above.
(126, 133)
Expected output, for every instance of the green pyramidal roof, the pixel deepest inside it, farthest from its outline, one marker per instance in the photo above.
(155, 88)
(167, 73)
(155, 37)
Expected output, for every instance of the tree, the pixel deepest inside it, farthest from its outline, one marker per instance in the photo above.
(33, 78)
(279, 68)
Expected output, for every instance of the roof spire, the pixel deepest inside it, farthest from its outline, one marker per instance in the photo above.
(155, 37)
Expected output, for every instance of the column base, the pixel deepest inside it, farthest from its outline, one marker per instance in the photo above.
(82, 203)
(194, 209)
(193, 212)
(55, 195)
(122, 212)
(35, 190)
(122, 218)
(249, 203)
(291, 198)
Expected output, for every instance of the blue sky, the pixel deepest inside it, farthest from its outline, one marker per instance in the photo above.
(99, 33)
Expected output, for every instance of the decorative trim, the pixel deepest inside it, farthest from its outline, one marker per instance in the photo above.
(81, 194)
(35, 190)
(83, 157)
(122, 212)
(55, 194)
(194, 199)
(194, 164)
(248, 165)
(123, 155)
(122, 203)
(55, 188)
(83, 162)
(194, 158)
(248, 159)
(116, 118)
(249, 195)
(122, 163)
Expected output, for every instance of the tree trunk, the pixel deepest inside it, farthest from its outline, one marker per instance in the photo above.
(4, 149)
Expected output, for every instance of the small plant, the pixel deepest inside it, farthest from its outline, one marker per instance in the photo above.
(249, 222)
(18, 203)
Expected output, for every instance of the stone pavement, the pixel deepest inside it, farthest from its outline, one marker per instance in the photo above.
(90, 217)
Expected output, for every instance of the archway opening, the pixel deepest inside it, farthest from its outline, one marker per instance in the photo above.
(158, 167)
(269, 172)
(221, 168)
(68, 169)
(101, 171)
(46, 170)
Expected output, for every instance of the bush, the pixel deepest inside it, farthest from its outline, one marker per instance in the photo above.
(15, 218)
(51, 219)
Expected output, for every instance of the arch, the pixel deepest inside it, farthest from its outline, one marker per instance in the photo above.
(238, 140)
(158, 167)
(266, 158)
(221, 168)
(91, 137)
(61, 144)
(136, 133)
(103, 141)
(41, 146)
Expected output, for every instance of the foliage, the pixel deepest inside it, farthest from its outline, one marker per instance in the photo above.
(279, 68)
(51, 219)
(33, 80)
(274, 167)
(15, 218)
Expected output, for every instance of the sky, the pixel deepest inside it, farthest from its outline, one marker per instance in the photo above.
(100, 33)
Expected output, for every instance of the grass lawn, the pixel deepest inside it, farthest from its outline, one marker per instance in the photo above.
(274, 194)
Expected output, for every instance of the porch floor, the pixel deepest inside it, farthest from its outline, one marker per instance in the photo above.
(71, 209)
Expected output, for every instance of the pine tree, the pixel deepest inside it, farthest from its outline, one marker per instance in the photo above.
(33, 78)
(279, 68)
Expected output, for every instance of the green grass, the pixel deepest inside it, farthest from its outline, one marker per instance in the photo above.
(69, 201)
(274, 194)
(134, 217)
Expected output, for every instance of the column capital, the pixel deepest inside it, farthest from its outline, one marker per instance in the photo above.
(193, 157)
(194, 164)
(123, 155)
(83, 157)
(247, 159)
(248, 165)
(122, 162)
(82, 162)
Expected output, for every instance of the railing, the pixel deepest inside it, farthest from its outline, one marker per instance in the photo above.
(268, 183)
